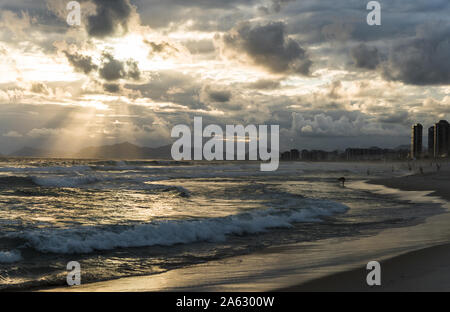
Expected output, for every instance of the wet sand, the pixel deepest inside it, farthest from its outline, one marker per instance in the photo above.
(427, 269)
(422, 270)
(437, 182)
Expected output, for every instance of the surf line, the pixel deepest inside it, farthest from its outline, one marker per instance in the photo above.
(255, 137)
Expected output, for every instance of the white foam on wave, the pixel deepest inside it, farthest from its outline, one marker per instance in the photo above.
(84, 180)
(166, 233)
(66, 181)
(10, 256)
(52, 169)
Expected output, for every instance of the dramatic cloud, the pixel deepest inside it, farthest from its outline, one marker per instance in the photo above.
(161, 47)
(111, 17)
(423, 60)
(113, 69)
(80, 62)
(269, 46)
(217, 95)
(365, 57)
(111, 87)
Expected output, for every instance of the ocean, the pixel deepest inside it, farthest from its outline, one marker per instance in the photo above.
(132, 218)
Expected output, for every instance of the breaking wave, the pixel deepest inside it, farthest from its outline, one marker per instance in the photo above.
(10, 256)
(50, 169)
(65, 181)
(166, 233)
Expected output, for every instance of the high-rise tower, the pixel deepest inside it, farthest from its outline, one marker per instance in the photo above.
(441, 139)
(416, 141)
(431, 141)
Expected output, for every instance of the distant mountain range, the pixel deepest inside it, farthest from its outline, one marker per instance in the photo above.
(37, 152)
(403, 147)
(124, 150)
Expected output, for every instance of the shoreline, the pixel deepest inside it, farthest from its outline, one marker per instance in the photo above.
(435, 182)
(404, 272)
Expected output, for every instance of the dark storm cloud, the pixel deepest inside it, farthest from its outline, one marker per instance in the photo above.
(345, 21)
(110, 69)
(113, 69)
(81, 62)
(109, 16)
(159, 47)
(423, 60)
(216, 95)
(162, 47)
(111, 87)
(269, 46)
(365, 56)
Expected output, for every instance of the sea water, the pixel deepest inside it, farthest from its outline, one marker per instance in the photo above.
(130, 218)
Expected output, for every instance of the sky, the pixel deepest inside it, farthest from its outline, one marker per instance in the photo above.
(133, 69)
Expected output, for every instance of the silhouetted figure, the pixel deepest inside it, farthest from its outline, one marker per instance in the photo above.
(368, 172)
(421, 170)
(438, 167)
(342, 180)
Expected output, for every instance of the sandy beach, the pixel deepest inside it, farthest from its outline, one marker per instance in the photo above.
(437, 182)
(427, 269)
(422, 270)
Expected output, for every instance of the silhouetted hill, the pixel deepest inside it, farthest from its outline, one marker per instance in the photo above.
(37, 152)
(403, 147)
(125, 150)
